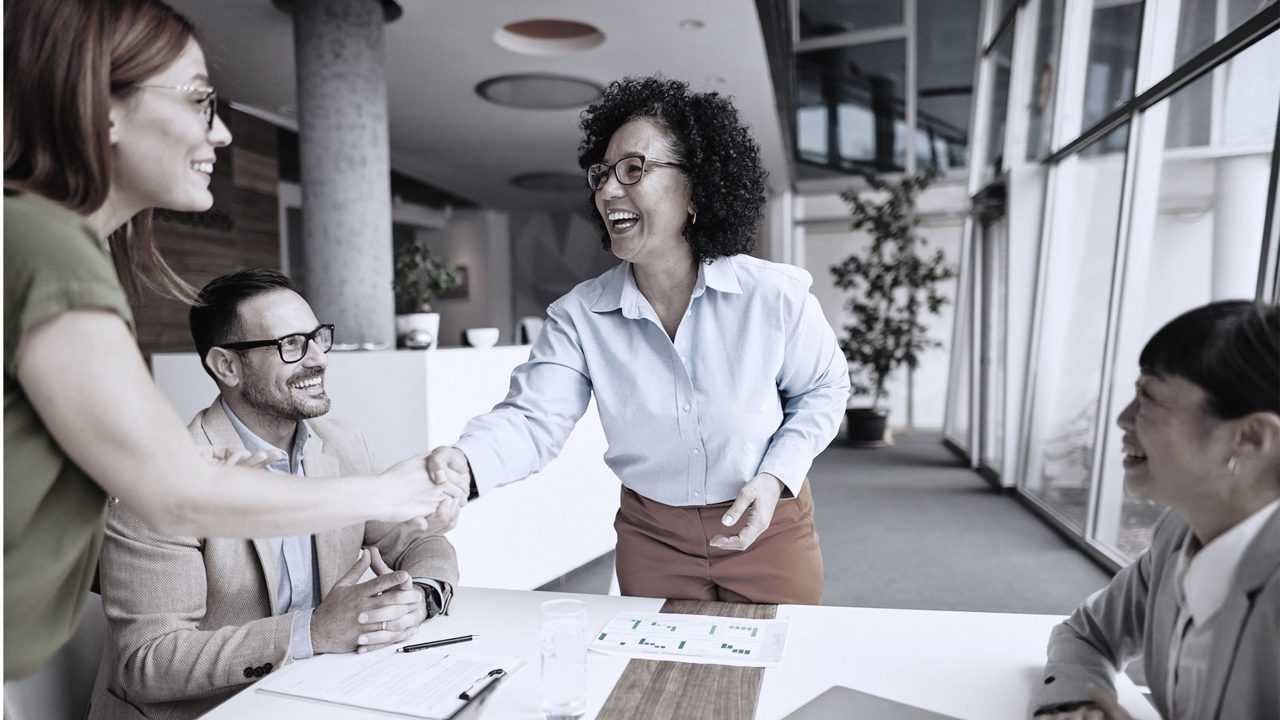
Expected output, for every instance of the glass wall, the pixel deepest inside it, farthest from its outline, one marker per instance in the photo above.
(853, 83)
(1081, 249)
(1196, 237)
(1154, 124)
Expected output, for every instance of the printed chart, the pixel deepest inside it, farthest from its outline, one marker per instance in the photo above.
(694, 639)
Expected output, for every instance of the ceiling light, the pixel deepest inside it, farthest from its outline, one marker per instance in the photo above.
(539, 92)
(548, 37)
(552, 182)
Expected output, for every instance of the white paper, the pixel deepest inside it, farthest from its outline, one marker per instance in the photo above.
(702, 639)
(423, 684)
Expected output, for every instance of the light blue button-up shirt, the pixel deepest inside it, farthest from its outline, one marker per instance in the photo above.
(754, 382)
(297, 581)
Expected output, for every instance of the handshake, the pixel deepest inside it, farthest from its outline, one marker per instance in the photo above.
(439, 484)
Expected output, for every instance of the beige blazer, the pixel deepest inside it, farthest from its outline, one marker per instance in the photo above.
(1135, 614)
(192, 621)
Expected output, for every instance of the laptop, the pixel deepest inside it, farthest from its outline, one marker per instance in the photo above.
(842, 703)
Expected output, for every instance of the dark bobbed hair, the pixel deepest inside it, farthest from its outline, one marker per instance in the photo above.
(64, 61)
(718, 155)
(1230, 349)
(215, 318)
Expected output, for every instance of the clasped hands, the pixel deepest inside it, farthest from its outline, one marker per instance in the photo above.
(367, 616)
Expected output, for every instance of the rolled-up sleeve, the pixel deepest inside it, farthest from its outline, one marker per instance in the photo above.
(814, 384)
(549, 394)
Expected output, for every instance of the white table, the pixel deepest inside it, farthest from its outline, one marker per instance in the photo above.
(981, 666)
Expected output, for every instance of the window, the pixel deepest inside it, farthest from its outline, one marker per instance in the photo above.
(851, 112)
(1081, 246)
(1196, 238)
(1044, 78)
(824, 18)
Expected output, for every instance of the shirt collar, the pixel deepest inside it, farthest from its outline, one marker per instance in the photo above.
(621, 293)
(253, 443)
(1206, 577)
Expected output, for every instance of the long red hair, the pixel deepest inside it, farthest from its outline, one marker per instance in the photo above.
(64, 61)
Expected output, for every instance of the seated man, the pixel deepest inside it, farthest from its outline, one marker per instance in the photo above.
(194, 620)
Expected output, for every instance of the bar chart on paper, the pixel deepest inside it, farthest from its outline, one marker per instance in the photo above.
(694, 639)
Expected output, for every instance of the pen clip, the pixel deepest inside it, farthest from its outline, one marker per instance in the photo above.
(483, 683)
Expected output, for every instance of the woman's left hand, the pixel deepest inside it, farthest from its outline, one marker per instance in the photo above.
(756, 501)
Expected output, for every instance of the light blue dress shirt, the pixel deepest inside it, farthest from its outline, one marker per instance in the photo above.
(297, 579)
(754, 382)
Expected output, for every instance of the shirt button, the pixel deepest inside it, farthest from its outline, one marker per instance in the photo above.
(696, 451)
(686, 407)
(697, 494)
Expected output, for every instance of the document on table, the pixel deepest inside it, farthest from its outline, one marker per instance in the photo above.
(421, 684)
(702, 639)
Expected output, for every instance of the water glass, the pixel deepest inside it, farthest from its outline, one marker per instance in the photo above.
(564, 659)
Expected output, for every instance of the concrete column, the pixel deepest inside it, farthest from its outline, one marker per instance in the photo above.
(1240, 194)
(346, 167)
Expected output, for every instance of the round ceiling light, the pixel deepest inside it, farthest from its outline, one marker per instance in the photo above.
(548, 37)
(539, 92)
(552, 182)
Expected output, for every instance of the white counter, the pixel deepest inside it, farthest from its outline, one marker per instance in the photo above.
(517, 537)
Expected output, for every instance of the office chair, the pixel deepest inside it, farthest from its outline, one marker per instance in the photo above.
(60, 690)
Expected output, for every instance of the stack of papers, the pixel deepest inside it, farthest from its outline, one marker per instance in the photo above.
(422, 684)
(694, 639)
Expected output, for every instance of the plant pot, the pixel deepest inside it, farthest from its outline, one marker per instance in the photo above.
(866, 427)
(418, 331)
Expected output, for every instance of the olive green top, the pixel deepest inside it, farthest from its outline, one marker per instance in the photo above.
(53, 513)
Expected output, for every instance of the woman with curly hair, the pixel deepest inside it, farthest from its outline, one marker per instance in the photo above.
(716, 376)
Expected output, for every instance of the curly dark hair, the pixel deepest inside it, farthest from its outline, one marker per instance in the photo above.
(717, 154)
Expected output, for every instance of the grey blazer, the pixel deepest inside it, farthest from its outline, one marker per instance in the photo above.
(1135, 614)
(192, 621)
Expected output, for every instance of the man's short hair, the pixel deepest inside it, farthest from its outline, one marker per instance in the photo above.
(215, 319)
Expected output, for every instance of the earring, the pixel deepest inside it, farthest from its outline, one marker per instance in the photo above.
(1233, 465)
(694, 221)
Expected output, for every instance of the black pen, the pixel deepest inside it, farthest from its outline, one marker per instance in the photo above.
(436, 643)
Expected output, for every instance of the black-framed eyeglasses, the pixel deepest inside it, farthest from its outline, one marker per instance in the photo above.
(205, 97)
(292, 347)
(628, 170)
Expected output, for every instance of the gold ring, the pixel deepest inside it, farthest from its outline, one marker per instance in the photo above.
(384, 625)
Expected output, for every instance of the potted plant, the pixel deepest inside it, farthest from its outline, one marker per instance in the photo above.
(419, 279)
(890, 284)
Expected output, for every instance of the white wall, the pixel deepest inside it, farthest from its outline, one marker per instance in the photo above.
(479, 240)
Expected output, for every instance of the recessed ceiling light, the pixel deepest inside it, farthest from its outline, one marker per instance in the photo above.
(552, 182)
(548, 37)
(539, 92)
(692, 24)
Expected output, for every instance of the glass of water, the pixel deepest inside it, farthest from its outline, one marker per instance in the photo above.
(564, 659)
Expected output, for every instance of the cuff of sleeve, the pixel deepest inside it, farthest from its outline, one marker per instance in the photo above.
(435, 592)
(300, 638)
(486, 467)
(790, 463)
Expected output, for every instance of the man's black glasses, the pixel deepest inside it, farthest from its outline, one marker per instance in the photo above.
(292, 347)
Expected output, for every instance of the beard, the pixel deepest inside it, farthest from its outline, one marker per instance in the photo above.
(283, 402)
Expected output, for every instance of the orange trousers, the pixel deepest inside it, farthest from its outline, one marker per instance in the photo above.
(664, 552)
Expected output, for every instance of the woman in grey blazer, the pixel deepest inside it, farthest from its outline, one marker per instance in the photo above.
(1202, 605)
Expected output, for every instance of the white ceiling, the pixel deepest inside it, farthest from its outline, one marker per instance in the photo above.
(439, 50)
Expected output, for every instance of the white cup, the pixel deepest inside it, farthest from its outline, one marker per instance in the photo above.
(564, 659)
